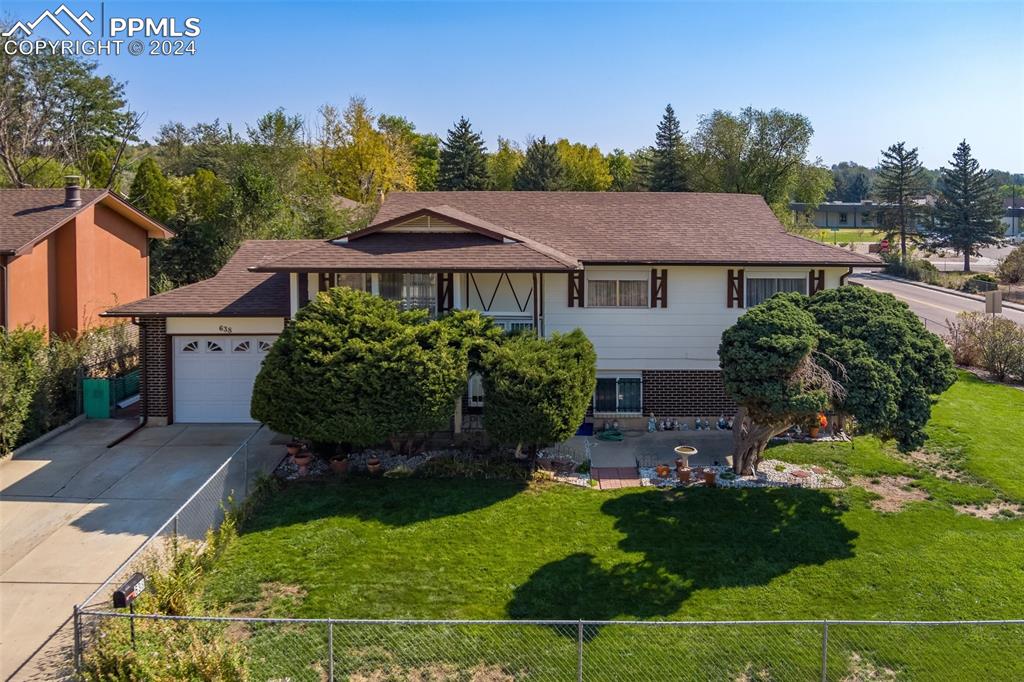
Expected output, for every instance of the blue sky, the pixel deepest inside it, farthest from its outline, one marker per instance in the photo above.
(866, 74)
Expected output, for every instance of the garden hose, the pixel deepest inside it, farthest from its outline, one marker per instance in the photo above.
(611, 435)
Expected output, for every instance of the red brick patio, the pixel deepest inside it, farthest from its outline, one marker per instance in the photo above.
(610, 478)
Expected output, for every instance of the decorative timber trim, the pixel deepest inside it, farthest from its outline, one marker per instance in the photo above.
(815, 281)
(325, 281)
(734, 288)
(445, 291)
(576, 289)
(659, 288)
(303, 283)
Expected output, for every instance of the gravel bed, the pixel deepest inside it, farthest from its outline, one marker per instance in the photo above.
(771, 473)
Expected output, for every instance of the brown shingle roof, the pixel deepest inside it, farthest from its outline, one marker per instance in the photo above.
(233, 292)
(637, 227)
(27, 214)
(456, 251)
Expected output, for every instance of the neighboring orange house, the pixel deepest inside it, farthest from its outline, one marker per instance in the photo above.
(67, 255)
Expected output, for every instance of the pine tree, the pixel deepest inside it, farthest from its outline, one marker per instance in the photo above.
(668, 171)
(900, 177)
(463, 159)
(152, 192)
(542, 169)
(968, 210)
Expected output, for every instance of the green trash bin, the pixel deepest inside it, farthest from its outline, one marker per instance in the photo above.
(96, 398)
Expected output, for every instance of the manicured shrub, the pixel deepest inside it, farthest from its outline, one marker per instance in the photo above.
(353, 368)
(21, 367)
(1011, 269)
(537, 390)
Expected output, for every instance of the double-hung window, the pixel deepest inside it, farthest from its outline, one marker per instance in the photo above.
(411, 289)
(618, 289)
(760, 289)
(619, 395)
(360, 281)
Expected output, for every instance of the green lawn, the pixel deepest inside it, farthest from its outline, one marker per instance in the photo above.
(847, 235)
(491, 549)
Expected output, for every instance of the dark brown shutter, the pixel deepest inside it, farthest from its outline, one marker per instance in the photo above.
(303, 288)
(815, 281)
(576, 289)
(659, 288)
(445, 291)
(734, 289)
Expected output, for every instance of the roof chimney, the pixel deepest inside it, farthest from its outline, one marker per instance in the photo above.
(72, 191)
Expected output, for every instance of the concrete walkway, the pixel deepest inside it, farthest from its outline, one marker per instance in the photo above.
(72, 509)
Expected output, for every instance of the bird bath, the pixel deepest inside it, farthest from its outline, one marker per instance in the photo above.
(684, 452)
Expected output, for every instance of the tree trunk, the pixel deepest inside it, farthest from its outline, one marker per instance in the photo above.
(749, 442)
(967, 261)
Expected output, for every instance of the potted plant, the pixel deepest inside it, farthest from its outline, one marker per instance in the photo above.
(339, 463)
(373, 465)
(662, 470)
(294, 447)
(684, 474)
(302, 458)
(709, 478)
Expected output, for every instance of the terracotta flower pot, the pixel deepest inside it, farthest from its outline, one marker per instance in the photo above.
(684, 475)
(813, 432)
(373, 465)
(662, 470)
(293, 448)
(302, 460)
(709, 479)
(339, 465)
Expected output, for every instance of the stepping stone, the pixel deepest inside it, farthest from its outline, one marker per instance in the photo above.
(799, 474)
(819, 470)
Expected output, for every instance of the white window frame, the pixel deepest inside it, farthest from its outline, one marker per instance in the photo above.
(617, 276)
(775, 277)
(618, 376)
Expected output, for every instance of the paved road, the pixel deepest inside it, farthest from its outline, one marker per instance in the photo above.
(71, 510)
(934, 307)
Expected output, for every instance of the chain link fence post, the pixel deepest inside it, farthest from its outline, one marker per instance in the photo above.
(824, 651)
(579, 651)
(77, 640)
(330, 651)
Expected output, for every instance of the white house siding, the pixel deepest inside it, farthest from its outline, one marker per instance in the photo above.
(224, 325)
(499, 294)
(683, 336)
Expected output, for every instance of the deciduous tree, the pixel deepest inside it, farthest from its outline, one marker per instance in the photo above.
(586, 170)
(503, 165)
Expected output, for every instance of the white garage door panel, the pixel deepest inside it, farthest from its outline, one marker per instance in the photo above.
(213, 376)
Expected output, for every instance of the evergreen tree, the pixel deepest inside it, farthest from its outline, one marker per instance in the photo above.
(900, 177)
(152, 192)
(463, 159)
(542, 169)
(668, 172)
(968, 210)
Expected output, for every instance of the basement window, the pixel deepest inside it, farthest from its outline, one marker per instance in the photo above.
(618, 395)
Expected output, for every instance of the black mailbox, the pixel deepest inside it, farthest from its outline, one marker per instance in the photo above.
(128, 592)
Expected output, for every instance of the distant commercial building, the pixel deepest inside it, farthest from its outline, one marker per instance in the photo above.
(865, 214)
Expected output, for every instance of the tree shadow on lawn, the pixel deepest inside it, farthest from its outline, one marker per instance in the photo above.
(394, 502)
(690, 540)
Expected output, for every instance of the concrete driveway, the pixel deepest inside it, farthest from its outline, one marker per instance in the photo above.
(72, 509)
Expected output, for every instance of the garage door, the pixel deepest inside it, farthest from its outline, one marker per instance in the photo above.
(213, 376)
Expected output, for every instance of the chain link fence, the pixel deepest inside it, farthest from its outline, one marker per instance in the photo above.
(738, 651)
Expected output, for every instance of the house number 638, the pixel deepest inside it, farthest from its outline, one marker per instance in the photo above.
(224, 328)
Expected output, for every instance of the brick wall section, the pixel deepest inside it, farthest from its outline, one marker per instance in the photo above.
(154, 384)
(685, 393)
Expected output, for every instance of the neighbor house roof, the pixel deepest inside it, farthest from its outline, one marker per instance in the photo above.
(235, 291)
(29, 214)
